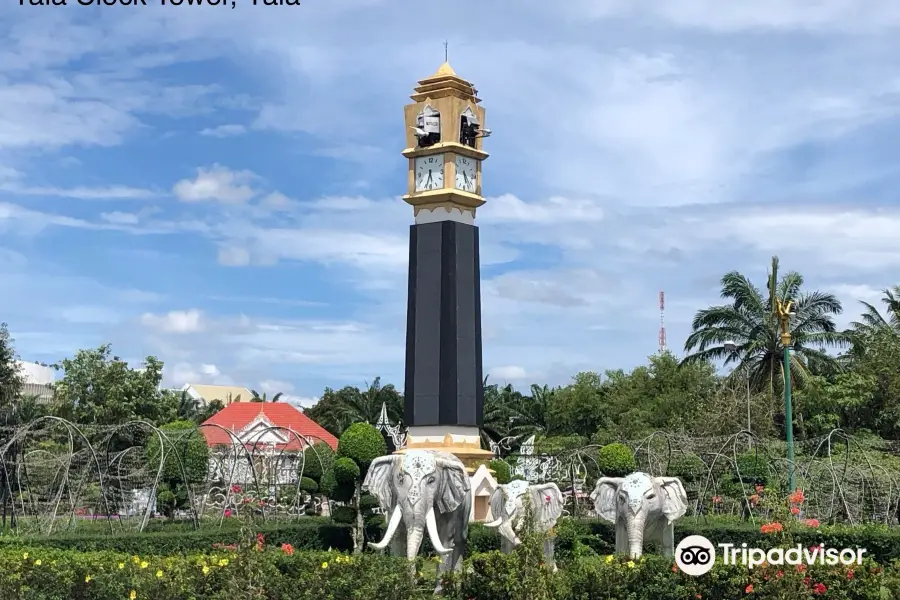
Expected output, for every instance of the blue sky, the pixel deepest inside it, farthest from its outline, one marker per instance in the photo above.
(220, 188)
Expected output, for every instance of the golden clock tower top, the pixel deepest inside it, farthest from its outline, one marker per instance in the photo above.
(444, 145)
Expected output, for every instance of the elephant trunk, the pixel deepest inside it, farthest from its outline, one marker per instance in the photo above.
(390, 531)
(507, 531)
(413, 541)
(634, 525)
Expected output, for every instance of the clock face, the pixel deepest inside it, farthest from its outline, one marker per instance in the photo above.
(465, 174)
(429, 172)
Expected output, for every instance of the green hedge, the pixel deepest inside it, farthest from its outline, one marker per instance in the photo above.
(276, 574)
(574, 537)
(311, 533)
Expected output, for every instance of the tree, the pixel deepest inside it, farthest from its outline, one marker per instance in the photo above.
(11, 378)
(336, 410)
(871, 319)
(358, 446)
(185, 457)
(749, 322)
(11, 383)
(257, 398)
(102, 389)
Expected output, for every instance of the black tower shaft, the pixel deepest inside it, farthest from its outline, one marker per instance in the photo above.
(444, 384)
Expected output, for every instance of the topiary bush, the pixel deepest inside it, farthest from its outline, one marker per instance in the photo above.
(346, 471)
(317, 460)
(362, 443)
(615, 460)
(309, 485)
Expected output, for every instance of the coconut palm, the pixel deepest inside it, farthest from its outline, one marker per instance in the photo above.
(257, 398)
(871, 319)
(746, 333)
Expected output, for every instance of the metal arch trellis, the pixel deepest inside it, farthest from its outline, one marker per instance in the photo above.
(841, 478)
(55, 474)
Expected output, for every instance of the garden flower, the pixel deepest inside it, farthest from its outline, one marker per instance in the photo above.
(159, 574)
(717, 499)
(206, 570)
(779, 574)
(121, 565)
(771, 527)
(25, 556)
(324, 565)
(609, 558)
(144, 564)
(797, 497)
(819, 589)
(228, 512)
(748, 589)
(674, 568)
(754, 499)
(37, 562)
(801, 568)
(795, 510)
(759, 488)
(811, 522)
(630, 564)
(223, 562)
(132, 595)
(87, 579)
(850, 574)
(287, 549)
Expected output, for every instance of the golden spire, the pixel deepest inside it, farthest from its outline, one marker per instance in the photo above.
(445, 70)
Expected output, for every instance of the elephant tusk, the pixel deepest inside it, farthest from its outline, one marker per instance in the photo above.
(390, 531)
(494, 523)
(431, 525)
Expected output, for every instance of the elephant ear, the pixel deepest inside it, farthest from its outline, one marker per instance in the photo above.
(378, 481)
(496, 502)
(548, 504)
(604, 497)
(455, 486)
(675, 504)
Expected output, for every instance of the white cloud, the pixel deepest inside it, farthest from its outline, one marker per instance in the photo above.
(508, 373)
(216, 183)
(223, 131)
(232, 256)
(210, 370)
(82, 193)
(122, 218)
(176, 321)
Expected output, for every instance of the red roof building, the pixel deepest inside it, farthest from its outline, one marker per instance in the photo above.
(250, 422)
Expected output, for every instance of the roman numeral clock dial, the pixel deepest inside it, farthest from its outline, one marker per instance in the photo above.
(429, 172)
(465, 174)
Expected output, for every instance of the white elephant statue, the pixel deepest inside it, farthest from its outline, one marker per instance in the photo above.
(419, 491)
(508, 509)
(643, 509)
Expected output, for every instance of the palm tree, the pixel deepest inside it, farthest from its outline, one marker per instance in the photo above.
(257, 398)
(749, 325)
(872, 319)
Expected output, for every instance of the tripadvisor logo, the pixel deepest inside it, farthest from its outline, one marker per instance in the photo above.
(695, 555)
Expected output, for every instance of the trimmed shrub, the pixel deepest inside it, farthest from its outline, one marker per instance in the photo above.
(615, 460)
(362, 443)
(316, 461)
(309, 485)
(345, 470)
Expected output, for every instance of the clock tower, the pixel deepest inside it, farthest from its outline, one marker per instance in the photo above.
(443, 387)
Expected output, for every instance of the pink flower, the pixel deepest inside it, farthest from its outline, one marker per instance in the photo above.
(811, 522)
(228, 512)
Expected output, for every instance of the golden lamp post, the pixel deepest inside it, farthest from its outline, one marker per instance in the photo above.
(784, 311)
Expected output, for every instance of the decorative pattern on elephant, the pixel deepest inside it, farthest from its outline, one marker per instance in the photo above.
(514, 490)
(636, 485)
(417, 464)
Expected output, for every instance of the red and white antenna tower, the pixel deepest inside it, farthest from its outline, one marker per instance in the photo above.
(662, 322)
